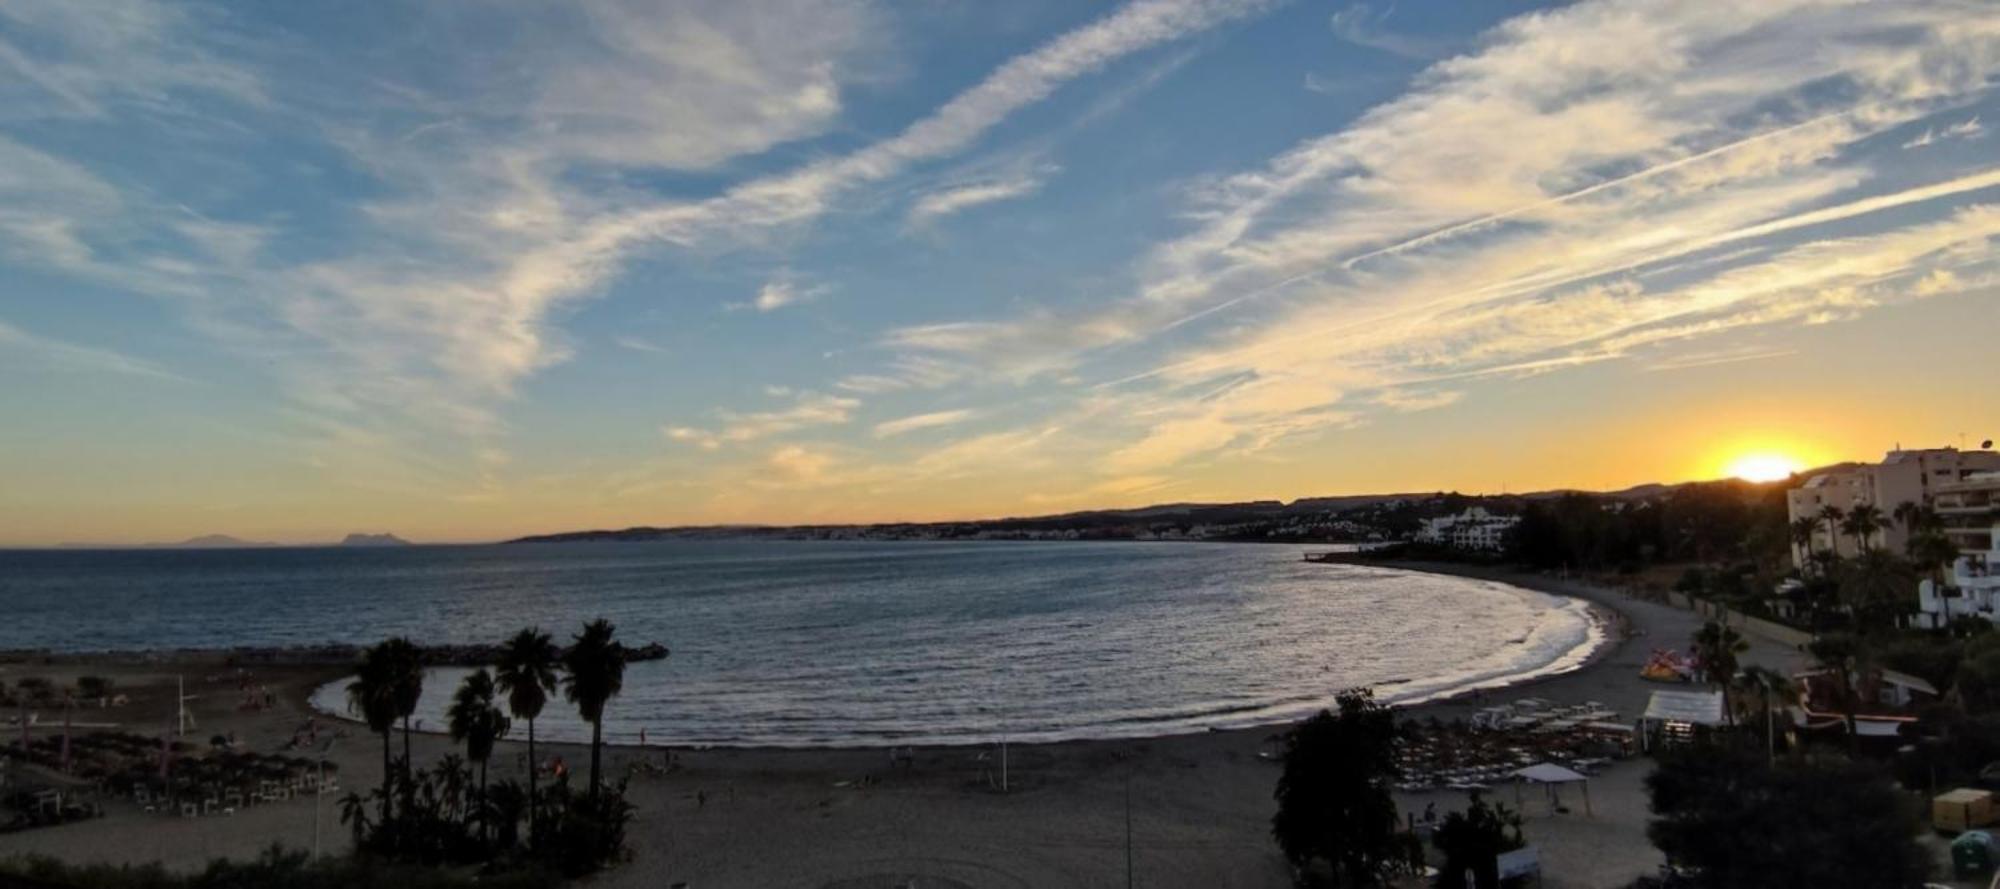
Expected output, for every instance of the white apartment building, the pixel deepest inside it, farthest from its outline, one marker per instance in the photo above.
(1473, 529)
(1971, 512)
(1903, 476)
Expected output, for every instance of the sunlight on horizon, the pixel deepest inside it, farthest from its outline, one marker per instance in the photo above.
(1763, 466)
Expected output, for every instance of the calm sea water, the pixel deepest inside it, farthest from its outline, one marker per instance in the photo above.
(842, 643)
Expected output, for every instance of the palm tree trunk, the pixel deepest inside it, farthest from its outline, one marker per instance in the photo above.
(388, 770)
(596, 745)
(409, 786)
(534, 769)
(484, 810)
(1770, 734)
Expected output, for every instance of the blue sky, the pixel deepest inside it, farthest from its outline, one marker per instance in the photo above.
(470, 270)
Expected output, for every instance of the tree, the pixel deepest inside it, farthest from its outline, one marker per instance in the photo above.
(1803, 530)
(1334, 800)
(1841, 657)
(354, 812)
(1916, 517)
(1931, 552)
(1977, 684)
(596, 667)
(1831, 516)
(526, 673)
(1739, 823)
(1716, 645)
(1862, 523)
(1472, 842)
(1772, 690)
(478, 722)
(405, 665)
(1876, 587)
(373, 695)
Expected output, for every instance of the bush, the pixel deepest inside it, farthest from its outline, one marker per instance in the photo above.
(277, 866)
(1739, 823)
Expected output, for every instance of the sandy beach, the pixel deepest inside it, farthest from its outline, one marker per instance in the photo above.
(1199, 804)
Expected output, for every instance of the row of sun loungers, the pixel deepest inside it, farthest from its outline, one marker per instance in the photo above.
(1486, 750)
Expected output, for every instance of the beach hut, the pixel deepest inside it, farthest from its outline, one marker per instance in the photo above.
(1676, 714)
(1551, 776)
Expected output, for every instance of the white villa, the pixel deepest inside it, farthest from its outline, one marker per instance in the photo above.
(1970, 508)
(1473, 529)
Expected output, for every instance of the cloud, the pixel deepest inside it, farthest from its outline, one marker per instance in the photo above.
(1713, 358)
(797, 464)
(956, 198)
(1641, 141)
(1362, 26)
(1406, 401)
(495, 182)
(1967, 129)
(808, 409)
(68, 356)
(637, 344)
(780, 292)
(913, 423)
(74, 60)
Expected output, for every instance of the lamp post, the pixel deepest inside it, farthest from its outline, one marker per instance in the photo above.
(319, 791)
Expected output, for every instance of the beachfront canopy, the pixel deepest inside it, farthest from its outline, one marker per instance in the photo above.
(1549, 773)
(1696, 707)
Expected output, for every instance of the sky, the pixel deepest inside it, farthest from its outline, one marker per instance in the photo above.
(465, 271)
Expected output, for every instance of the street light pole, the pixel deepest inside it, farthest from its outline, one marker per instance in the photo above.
(319, 792)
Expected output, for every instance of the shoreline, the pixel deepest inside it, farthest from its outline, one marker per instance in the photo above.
(1039, 814)
(306, 669)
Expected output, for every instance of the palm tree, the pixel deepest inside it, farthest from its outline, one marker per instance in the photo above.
(1717, 645)
(1770, 687)
(526, 673)
(1840, 657)
(478, 722)
(1862, 523)
(354, 812)
(1803, 529)
(1931, 552)
(1831, 516)
(405, 663)
(596, 667)
(372, 694)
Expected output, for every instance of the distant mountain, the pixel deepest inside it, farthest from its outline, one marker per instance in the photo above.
(206, 541)
(216, 541)
(1359, 517)
(374, 540)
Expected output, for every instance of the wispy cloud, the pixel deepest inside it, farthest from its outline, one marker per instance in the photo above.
(808, 409)
(638, 344)
(956, 198)
(1638, 136)
(1966, 129)
(779, 292)
(933, 420)
(1362, 26)
(68, 356)
(487, 211)
(1711, 359)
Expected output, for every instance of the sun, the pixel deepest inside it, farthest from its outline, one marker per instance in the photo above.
(1763, 467)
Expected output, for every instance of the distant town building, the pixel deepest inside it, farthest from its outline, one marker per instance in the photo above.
(1912, 476)
(1474, 529)
(1970, 509)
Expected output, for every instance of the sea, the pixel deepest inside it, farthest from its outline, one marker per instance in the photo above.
(843, 643)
